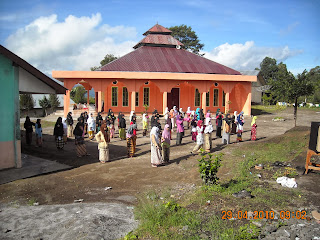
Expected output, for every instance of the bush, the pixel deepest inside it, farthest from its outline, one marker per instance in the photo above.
(208, 168)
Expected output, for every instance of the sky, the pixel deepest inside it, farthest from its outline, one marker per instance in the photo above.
(76, 35)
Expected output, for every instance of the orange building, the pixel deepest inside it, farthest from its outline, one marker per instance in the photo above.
(160, 74)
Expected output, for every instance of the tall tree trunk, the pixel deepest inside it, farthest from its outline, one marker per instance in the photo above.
(295, 111)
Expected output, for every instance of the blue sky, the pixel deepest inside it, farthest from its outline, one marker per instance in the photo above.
(76, 35)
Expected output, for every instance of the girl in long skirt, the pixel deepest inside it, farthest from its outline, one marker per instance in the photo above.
(145, 125)
(234, 123)
(199, 145)
(79, 140)
(91, 126)
(254, 129)
(70, 124)
(131, 139)
(156, 158)
(38, 133)
(65, 130)
(207, 135)
(226, 129)
(240, 123)
(28, 126)
(58, 133)
(165, 143)
(103, 138)
(219, 124)
(122, 127)
(194, 130)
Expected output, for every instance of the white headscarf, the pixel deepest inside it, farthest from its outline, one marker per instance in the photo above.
(154, 131)
(166, 113)
(144, 118)
(189, 110)
(64, 123)
(209, 127)
(131, 114)
(180, 110)
(90, 121)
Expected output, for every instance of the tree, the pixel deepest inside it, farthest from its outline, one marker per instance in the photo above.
(188, 37)
(26, 102)
(288, 87)
(54, 101)
(269, 69)
(314, 77)
(77, 94)
(45, 104)
(107, 59)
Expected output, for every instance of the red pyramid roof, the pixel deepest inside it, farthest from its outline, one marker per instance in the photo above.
(158, 29)
(159, 39)
(165, 59)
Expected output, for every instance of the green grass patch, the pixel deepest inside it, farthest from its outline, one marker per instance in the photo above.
(44, 124)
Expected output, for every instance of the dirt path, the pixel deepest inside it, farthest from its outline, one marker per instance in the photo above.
(90, 179)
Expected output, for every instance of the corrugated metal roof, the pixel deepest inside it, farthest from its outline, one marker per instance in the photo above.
(159, 39)
(165, 59)
(158, 29)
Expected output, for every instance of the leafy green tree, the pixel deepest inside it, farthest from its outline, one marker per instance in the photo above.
(54, 101)
(45, 104)
(314, 76)
(107, 59)
(269, 69)
(188, 37)
(288, 87)
(77, 94)
(26, 102)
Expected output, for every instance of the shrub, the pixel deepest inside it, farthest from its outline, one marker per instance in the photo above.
(208, 167)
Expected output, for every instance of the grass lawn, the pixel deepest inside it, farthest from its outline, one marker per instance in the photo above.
(44, 124)
(199, 214)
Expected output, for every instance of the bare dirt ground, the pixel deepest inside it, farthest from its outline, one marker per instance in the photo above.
(128, 177)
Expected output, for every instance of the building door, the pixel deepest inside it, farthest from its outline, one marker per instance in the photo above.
(173, 98)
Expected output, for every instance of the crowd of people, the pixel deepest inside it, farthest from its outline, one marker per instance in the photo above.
(101, 129)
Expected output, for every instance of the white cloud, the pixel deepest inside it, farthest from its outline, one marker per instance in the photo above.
(247, 56)
(77, 43)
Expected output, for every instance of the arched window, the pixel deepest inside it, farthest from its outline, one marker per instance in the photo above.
(197, 98)
(215, 97)
(125, 97)
(114, 96)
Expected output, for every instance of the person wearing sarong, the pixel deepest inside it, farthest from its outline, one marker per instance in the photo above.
(156, 158)
(70, 124)
(65, 130)
(38, 130)
(219, 119)
(180, 129)
(131, 139)
(226, 129)
(119, 116)
(207, 135)
(79, 140)
(188, 113)
(254, 129)
(58, 133)
(91, 126)
(165, 143)
(103, 139)
(122, 127)
(29, 129)
(240, 123)
(199, 144)
(145, 124)
(99, 120)
(234, 122)
(194, 130)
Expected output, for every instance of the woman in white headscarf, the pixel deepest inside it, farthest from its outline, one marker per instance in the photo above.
(91, 126)
(188, 113)
(207, 135)
(145, 123)
(65, 129)
(156, 158)
(166, 113)
(131, 114)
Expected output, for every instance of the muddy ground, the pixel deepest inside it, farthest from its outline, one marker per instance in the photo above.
(128, 177)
